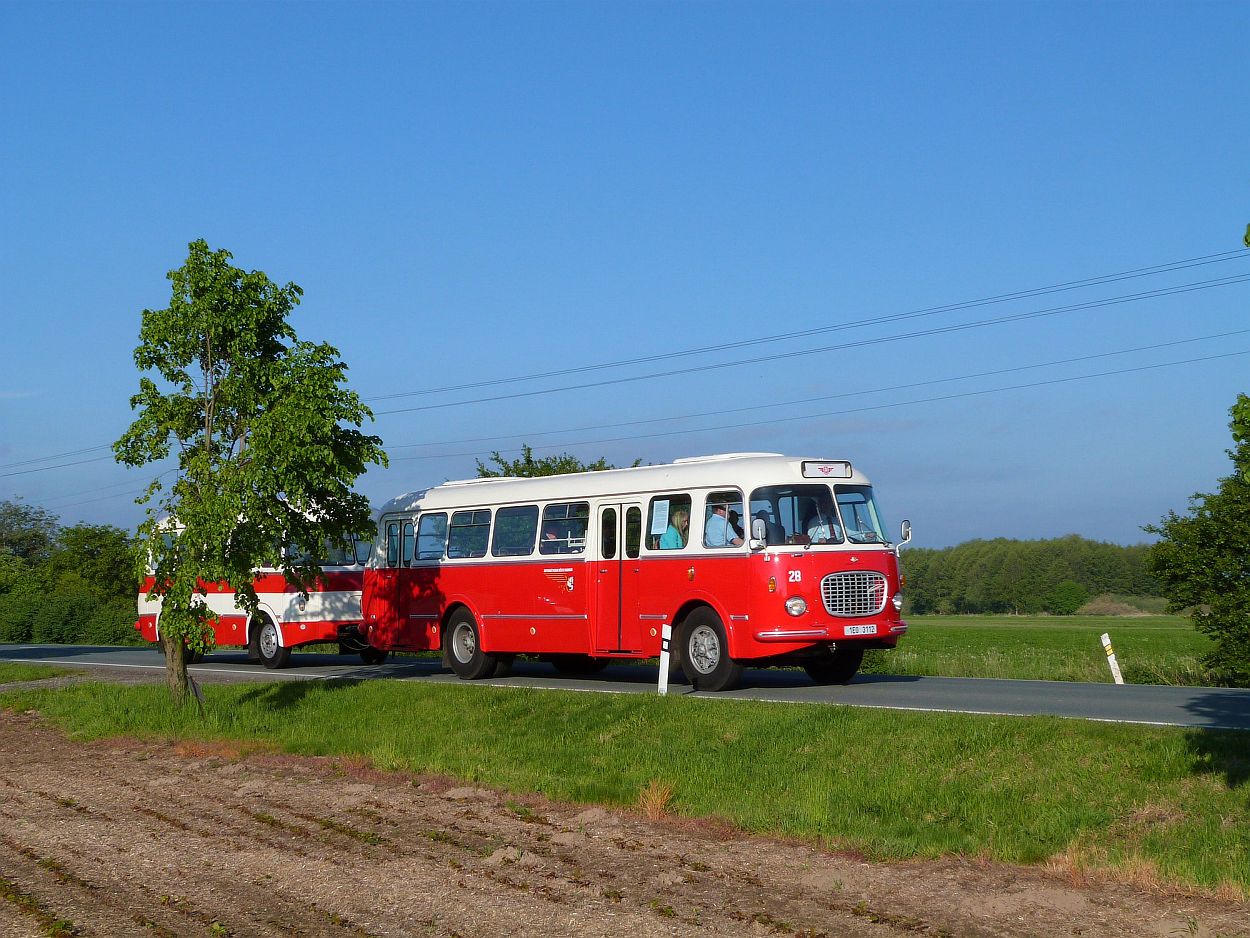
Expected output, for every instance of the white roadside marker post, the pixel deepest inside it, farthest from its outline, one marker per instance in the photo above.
(666, 636)
(1115, 666)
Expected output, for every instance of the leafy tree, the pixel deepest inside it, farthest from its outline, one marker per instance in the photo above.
(266, 438)
(101, 554)
(1065, 598)
(1203, 558)
(26, 531)
(529, 467)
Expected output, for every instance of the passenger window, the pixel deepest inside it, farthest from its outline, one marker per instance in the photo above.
(470, 532)
(431, 536)
(564, 528)
(668, 527)
(722, 520)
(514, 531)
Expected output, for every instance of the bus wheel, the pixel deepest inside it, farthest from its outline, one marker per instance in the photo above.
(836, 667)
(705, 653)
(371, 655)
(578, 664)
(268, 647)
(464, 648)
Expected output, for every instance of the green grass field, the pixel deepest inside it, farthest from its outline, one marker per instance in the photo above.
(1150, 649)
(1167, 804)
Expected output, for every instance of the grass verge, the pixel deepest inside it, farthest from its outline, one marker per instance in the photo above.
(13, 673)
(1165, 804)
(1150, 649)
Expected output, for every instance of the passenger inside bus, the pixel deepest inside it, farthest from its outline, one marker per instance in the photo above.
(678, 530)
(822, 530)
(717, 531)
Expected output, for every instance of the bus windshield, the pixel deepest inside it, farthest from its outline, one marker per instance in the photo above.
(860, 514)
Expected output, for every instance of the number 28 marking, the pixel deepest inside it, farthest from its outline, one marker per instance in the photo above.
(796, 576)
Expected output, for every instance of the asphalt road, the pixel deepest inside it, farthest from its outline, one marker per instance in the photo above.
(1205, 707)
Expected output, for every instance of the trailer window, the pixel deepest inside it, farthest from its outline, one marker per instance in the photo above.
(514, 531)
(470, 532)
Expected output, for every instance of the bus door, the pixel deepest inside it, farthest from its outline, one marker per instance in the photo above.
(617, 627)
(383, 599)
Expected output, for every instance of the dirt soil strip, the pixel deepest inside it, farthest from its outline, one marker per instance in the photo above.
(125, 837)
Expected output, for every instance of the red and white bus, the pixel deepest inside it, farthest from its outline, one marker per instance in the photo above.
(751, 558)
(286, 619)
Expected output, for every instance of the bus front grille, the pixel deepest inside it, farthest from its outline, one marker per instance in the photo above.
(854, 594)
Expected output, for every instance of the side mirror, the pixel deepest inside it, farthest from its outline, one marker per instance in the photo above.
(905, 531)
(759, 534)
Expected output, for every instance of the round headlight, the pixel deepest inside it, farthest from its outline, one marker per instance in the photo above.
(796, 605)
(898, 602)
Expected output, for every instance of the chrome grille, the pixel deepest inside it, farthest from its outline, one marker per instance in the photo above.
(858, 593)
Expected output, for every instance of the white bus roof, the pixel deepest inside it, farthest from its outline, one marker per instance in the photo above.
(739, 470)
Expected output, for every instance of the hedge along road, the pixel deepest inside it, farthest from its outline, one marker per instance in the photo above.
(1204, 707)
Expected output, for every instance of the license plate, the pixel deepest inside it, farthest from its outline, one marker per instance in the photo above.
(861, 630)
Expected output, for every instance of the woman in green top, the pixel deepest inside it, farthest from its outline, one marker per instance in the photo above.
(678, 530)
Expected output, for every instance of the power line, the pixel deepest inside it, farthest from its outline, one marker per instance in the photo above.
(853, 410)
(825, 397)
(1169, 267)
(862, 343)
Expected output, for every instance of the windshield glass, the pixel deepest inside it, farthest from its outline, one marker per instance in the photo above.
(860, 514)
(796, 514)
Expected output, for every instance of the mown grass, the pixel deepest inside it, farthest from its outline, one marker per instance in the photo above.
(10, 673)
(1150, 649)
(1170, 802)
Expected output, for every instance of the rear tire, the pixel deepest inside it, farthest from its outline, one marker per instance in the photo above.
(464, 649)
(836, 667)
(705, 653)
(269, 646)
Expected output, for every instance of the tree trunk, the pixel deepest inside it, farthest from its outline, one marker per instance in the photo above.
(176, 670)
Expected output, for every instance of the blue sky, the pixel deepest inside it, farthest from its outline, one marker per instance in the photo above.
(469, 192)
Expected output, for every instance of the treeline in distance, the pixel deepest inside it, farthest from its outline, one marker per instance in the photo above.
(1058, 576)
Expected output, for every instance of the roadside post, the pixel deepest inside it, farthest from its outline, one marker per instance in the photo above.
(666, 636)
(1115, 665)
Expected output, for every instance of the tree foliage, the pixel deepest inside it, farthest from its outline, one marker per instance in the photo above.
(1011, 576)
(1203, 558)
(26, 531)
(79, 589)
(528, 467)
(266, 438)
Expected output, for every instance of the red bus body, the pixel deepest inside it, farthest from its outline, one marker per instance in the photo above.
(598, 601)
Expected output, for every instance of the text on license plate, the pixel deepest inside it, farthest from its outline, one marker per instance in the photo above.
(861, 630)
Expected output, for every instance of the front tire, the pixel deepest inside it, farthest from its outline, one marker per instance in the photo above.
(269, 645)
(464, 649)
(705, 653)
(836, 667)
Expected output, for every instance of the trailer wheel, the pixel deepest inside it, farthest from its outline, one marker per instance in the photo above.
(835, 667)
(371, 655)
(464, 649)
(705, 652)
(268, 645)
